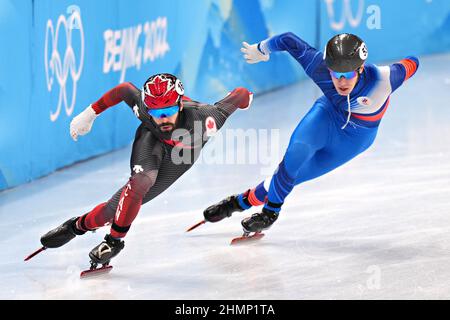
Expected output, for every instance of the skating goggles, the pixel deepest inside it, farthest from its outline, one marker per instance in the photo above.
(164, 112)
(347, 75)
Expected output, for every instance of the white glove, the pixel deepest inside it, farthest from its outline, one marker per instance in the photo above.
(252, 54)
(82, 123)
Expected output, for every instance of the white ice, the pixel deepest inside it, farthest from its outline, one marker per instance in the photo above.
(376, 228)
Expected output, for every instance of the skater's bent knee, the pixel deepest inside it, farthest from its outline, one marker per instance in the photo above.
(141, 182)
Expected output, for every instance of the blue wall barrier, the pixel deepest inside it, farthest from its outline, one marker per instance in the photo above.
(60, 56)
(391, 29)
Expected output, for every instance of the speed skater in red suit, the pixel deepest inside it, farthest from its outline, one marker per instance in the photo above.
(162, 107)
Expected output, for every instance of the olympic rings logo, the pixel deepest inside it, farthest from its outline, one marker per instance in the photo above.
(61, 69)
(347, 14)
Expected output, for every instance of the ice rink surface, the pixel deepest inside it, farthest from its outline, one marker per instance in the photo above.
(375, 228)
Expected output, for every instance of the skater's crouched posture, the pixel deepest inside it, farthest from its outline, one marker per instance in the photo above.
(340, 125)
(160, 154)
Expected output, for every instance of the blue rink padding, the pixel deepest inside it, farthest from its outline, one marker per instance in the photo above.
(63, 55)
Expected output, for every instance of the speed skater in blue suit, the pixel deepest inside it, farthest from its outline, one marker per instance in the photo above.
(341, 124)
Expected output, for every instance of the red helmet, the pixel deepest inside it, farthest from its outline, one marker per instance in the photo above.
(162, 90)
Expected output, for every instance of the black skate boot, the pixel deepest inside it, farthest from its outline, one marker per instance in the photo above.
(105, 251)
(61, 235)
(259, 221)
(223, 209)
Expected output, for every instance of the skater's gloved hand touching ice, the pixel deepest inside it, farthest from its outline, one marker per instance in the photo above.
(82, 123)
(254, 53)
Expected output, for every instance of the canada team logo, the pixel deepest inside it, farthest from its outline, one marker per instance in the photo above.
(346, 14)
(162, 86)
(211, 127)
(63, 66)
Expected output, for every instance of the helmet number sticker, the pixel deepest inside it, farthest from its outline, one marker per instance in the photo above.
(179, 87)
(363, 52)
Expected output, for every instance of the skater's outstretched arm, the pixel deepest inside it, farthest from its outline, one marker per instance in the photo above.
(239, 98)
(308, 57)
(123, 92)
(83, 122)
(402, 71)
